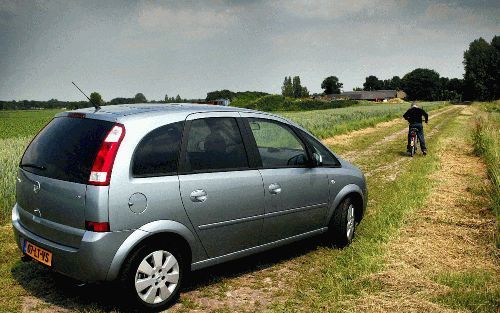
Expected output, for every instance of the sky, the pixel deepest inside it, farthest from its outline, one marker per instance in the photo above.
(120, 48)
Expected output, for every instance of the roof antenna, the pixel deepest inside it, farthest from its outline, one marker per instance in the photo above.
(96, 106)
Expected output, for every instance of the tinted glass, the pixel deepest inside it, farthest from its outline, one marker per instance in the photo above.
(215, 144)
(327, 157)
(278, 145)
(66, 148)
(158, 152)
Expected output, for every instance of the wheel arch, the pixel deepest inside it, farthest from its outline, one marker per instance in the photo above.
(159, 230)
(356, 194)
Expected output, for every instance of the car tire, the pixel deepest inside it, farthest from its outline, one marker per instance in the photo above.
(152, 276)
(342, 227)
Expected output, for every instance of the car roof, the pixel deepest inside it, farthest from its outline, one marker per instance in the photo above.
(123, 112)
(116, 112)
(139, 108)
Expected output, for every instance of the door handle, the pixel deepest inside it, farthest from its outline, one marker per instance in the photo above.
(199, 195)
(274, 188)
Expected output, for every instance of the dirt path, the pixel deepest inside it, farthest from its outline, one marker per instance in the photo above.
(450, 237)
(354, 155)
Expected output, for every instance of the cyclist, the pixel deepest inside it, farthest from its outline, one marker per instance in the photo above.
(414, 117)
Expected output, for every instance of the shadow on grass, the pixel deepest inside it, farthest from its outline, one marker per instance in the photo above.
(63, 292)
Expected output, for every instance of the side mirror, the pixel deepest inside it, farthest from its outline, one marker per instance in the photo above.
(318, 159)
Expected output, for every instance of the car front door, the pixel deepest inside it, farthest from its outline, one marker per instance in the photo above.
(296, 194)
(223, 197)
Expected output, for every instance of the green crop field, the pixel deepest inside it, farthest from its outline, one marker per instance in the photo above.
(23, 122)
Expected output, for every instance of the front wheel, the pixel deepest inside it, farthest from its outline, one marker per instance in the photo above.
(153, 276)
(342, 226)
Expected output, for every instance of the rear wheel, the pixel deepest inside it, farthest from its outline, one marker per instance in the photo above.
(153, 276)
(342, 226)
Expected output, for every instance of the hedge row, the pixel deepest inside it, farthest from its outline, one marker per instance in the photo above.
(280, 103)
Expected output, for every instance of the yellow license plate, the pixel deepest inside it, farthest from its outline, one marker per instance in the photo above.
(38, 253)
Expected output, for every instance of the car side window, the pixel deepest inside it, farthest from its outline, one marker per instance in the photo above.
(158, 152)
(215, 144)
(277, 144)
(327, 157)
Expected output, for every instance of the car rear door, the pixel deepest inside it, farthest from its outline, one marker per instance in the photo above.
(222, 195)
(296, 194)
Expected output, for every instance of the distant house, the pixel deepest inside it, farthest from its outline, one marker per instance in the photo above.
(375, 95)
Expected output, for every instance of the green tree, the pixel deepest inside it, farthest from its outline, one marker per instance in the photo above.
(395, 83)
(495, 68)
(373, 83)
(304, 92)
(331, 85)
(178, 99)
(220, 94)
(96, 98)
(481, 62)
(357, 89)
(140, 98)
(287, 88)
(167, 98)
(297, 87)
(422, 84)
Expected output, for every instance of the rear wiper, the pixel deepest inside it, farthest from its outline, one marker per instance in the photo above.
(40, 167)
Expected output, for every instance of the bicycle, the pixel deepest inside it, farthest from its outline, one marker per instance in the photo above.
(413, 141)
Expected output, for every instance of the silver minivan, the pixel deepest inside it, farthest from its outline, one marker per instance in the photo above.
(141, 194)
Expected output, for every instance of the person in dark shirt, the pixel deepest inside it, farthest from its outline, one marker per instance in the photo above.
(414, 117)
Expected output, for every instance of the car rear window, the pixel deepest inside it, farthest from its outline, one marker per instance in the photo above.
(66, 148)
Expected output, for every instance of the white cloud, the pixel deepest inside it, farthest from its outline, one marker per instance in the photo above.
(328, 9)
(191, 22)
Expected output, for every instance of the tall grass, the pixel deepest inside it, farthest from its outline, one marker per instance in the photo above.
(11, 151)
(486, 139)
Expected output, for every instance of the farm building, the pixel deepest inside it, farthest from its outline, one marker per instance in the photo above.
(375, 95)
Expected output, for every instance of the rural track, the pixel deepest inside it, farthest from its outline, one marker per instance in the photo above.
(354, 155)
(391, 167)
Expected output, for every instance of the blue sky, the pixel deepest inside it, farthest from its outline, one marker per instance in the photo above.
(119, 48)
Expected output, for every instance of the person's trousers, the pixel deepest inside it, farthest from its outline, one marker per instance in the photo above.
(420, 135)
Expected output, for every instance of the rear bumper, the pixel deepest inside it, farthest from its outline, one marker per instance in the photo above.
(90, 262)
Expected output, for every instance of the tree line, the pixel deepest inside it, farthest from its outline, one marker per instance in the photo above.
(95, 97)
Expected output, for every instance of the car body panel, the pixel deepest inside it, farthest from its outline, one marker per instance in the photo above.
(52, 208)
(301, 205)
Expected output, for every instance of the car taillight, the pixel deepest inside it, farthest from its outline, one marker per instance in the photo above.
(103, 163)
(98, 227)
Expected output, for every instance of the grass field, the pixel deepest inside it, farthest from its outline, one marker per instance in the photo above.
(426, 243)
